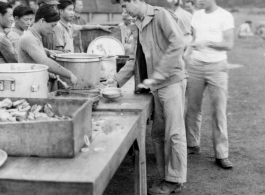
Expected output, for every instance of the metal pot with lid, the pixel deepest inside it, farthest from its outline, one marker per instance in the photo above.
(23, 80)
(86, 67)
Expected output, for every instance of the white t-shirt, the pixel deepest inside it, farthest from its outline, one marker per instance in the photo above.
(210, 27)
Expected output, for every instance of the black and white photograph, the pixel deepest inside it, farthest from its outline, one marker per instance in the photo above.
(132, 97)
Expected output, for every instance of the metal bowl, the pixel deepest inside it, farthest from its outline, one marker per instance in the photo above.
(111, 93)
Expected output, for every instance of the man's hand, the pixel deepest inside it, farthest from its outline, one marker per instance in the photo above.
(111, 83)
(147, 83)
(52, 76)
(73, 79)
(200, 45)
(106, 28)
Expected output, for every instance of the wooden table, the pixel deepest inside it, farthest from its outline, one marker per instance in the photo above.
(88, 173)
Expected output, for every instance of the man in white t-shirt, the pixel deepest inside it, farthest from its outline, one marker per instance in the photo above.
(213, 29)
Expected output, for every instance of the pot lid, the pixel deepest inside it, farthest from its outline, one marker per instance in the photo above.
(106, 45)
(78, 56)
(22, 67)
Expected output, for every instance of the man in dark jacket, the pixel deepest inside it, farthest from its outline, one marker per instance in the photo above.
(158, 48)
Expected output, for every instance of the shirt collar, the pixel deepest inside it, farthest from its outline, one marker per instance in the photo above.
(67, 26)
(14, 29)
(150, 12)
(35, 33)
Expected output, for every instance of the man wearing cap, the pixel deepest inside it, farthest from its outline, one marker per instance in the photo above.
(126, 32)
(53, 3)
(157, 64)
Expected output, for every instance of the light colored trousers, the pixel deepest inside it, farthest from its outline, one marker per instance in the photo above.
(214, 76)
(169, 134)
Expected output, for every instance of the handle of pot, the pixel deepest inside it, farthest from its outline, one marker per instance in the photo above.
(12, 84)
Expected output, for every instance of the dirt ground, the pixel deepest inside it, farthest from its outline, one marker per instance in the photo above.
(246, 121)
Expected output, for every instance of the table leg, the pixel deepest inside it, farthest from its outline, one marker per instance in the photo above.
(137, 170)
(140, 160)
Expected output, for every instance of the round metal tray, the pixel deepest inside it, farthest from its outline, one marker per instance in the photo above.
(106, 45)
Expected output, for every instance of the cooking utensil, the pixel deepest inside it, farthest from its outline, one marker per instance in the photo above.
(86, 67)
(3, 157)
(64, 84)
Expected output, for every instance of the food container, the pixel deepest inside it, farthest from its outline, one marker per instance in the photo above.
(86, 67)
(60, 139)
(111, 93)
(23, 80)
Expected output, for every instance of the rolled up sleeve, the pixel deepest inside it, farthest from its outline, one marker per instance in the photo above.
(59, 40)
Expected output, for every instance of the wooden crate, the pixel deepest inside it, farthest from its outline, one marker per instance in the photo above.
(62, 139)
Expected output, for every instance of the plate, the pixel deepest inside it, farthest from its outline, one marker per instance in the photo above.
(3, 157)
(106, 45)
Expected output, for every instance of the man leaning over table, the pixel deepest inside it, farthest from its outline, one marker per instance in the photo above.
(157, 48)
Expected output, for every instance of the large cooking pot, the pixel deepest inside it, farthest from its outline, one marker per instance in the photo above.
(86, 67)
(23, 80)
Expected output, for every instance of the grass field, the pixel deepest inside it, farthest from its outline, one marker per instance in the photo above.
(246, 121)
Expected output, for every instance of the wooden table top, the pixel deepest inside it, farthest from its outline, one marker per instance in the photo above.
(87, 172)
(129, 102)
(86, 168)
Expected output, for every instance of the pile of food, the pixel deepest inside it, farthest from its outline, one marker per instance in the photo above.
(21, 111)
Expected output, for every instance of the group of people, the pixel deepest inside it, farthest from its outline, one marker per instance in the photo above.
(24, 42)
(177, 56)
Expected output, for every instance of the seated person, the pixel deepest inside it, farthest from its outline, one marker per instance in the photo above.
(65, 31)
(24, 17)
(7, 51)
(30, 47)
(245, 30)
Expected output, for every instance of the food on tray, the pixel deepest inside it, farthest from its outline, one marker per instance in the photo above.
(22, 111)
(6, 103)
